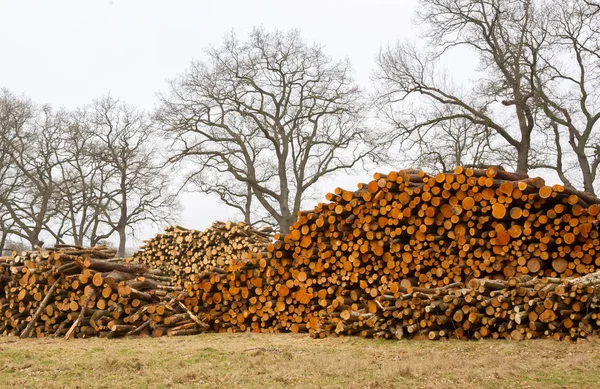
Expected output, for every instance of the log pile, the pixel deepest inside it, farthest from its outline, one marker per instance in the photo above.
(353, 265)
(478, 253)
(243, 297)
(181, 252)
(431, 231)
(519, 308)
(72, 291)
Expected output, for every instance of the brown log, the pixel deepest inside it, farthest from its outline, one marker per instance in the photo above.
(81, 314)
(25, 333)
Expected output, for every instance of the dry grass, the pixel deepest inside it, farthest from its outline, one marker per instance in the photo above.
(281, 361)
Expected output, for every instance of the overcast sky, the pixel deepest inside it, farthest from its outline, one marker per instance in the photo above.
(68, 53)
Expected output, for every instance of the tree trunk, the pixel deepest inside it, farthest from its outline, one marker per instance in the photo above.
(79, 241)
(94, 237)
(122, 241)
(287, 217)
(34, 240)
(526, 124)
(3, 242)
(285, 223)
(523, 155)
(586, 172)
(248, 207)
(122, 226)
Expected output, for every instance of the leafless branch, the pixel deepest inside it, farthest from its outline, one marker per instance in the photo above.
(268, 117)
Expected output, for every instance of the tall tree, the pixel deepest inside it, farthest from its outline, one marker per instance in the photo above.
(568, 84)
(7, 174)
(31, 144)
(502, 97)
(270, 116)
(85, 180)
(137, 189)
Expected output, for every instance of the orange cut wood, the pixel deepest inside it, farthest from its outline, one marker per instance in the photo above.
(468, 203)
(373, 187)
(545, 192)
(534, 265)
(502, 238)
(506, 188)
(499, 210)
(560, 265)
(491, 171)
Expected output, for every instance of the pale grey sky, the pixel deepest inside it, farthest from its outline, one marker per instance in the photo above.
(68, 53)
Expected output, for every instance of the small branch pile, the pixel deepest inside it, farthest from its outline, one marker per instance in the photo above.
(73, 291)
(180, 252)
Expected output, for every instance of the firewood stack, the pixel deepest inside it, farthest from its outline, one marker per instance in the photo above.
(406, 253)
(73, 291)
(242, 297)
(478, 253)
(519, 308)
(431, 231)
(180, 252)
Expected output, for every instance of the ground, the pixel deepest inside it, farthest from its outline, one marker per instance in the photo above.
(286, 360)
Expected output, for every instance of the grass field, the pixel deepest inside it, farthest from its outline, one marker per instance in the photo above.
(281, 361)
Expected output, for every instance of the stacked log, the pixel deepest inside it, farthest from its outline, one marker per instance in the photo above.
(181, 252)
(350, 258)
(525, 308)
(72, 291)
(471, 254)
(435, 230)
(244, 298)
(235, 299)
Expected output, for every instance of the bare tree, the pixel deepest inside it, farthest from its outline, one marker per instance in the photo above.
(271, 115)
(6, 174)
(444, 145)
(568, 81)
(85, 175)
(83, 185)
(135, 189)
(501, 100)
(31, 143)
(14, 112)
